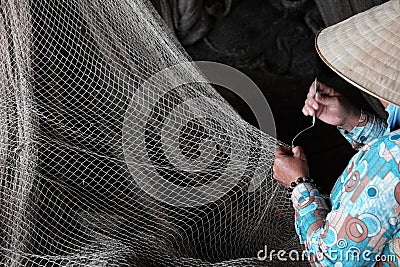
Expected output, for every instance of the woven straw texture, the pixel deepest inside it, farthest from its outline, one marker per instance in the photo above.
(365, 50)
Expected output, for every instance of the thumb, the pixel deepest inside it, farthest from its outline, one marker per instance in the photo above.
(297, 152)
(283, 151)
(324, 99)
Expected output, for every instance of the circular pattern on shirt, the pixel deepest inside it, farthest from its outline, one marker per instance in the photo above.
(304, 204)
(336, 206)
(372, 191)
(372, 222)
(394, 137)
(356, 230)
(393, 221)
(352, 182)
(397, 193)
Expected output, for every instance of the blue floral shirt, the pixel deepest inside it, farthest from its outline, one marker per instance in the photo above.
(361, 225)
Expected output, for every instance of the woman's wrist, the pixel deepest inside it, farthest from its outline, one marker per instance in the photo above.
(299, 181)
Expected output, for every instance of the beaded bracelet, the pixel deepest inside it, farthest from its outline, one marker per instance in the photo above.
(298, 181)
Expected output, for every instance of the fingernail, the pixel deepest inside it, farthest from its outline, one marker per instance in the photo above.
(315, 106)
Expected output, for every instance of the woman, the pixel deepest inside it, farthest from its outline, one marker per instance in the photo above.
(361, 226)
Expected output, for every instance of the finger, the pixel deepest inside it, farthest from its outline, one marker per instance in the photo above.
(310, 93)
(326, 90)
(275, 169)
(323, 88)
(311, 90)
(297, 152)
(325, 99)
(320, 88)
(312, 103)
(305, 112)
(310, 110)
(283, 151)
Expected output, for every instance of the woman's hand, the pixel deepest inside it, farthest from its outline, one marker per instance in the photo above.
(289, 165)
(331, 107)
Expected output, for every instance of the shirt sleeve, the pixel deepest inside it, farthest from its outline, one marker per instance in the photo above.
(364, 214)
(374, 127)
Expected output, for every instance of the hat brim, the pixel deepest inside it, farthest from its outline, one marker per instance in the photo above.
(365, 50)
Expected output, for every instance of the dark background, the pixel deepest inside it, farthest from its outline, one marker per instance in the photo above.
(272, 41)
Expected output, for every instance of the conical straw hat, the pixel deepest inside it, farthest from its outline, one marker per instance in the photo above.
(365, 50)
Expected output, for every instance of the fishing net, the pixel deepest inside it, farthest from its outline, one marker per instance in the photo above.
(115, 150)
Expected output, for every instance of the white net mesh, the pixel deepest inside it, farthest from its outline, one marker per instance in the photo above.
(115, 151)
